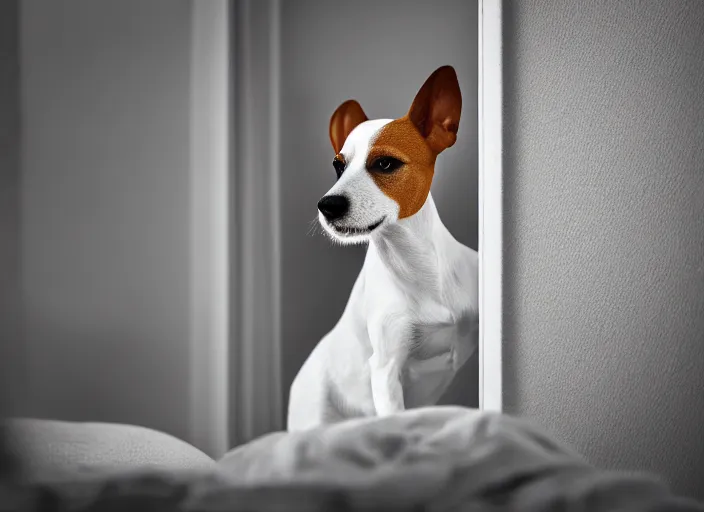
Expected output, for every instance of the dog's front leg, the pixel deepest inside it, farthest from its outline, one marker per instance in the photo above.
(387, 391)
(385, 366)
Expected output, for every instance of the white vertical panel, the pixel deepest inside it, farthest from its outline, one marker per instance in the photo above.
(490, 205)
(210, 186)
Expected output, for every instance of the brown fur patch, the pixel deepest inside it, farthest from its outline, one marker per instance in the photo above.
(408, 186)
(417, 139)
(345, 119)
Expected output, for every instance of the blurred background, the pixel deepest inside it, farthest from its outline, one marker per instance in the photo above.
(160, 165)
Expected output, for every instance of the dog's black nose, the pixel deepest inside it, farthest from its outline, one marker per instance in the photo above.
(333, 207)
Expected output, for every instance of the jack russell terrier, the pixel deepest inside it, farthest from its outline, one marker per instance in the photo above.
(411, 321)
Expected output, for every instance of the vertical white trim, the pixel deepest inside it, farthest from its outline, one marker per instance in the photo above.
(275, 173)
(209, 229)
(256, 352)
(490, 206)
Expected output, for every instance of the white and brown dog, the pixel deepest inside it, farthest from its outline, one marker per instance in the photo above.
(411, 321)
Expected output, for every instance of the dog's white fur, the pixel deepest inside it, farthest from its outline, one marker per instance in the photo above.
(411, 321)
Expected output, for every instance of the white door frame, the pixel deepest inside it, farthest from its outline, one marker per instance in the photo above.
(209, 231)
(490, 205)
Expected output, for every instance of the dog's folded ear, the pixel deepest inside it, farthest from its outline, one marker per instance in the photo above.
(437, 107)
(343, 121)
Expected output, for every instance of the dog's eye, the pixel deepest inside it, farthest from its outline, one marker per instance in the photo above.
(386, 164)
(339, 166)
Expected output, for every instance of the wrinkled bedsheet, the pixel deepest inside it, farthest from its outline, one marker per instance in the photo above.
(446, 458)
(433, 459)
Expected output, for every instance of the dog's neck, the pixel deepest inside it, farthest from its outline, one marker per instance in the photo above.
(414, 250)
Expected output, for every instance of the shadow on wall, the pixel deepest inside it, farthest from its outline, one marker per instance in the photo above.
(11, 350)
(332, 52)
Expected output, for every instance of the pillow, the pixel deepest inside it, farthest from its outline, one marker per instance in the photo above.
(60, 450)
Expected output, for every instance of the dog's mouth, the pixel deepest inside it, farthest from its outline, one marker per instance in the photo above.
(352, 231)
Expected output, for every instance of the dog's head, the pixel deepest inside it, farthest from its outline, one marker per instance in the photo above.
(385, 167)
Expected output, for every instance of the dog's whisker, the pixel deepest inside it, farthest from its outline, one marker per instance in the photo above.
(313, 227)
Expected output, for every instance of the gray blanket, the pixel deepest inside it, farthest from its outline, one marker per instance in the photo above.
(445, 458)
(434, 459)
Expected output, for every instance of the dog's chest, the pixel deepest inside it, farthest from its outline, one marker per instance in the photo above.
(430, 321)
(435, 353)
(428, 340)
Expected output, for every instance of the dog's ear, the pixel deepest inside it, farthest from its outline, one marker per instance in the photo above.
(343, 121)
(437, 107)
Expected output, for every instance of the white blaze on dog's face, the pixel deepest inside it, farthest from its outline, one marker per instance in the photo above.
(385, 167)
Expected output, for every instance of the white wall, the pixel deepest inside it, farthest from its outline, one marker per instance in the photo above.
(604, 318)
(105, 209)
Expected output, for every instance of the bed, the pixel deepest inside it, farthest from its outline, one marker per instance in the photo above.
(430, 459)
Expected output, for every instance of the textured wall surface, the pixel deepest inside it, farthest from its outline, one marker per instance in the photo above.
(604, 318)
(379, 54)
(105, 209)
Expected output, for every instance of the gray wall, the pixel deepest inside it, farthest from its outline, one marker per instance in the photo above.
(379, 54)
(604, 318)
(104, 204)
(10, 341)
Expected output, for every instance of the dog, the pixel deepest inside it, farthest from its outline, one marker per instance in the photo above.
(412, 319)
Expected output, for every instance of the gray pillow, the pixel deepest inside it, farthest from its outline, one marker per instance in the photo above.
(59, 450)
